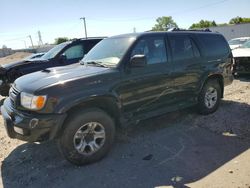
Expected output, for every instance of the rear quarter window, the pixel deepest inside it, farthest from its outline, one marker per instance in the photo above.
(213, 45)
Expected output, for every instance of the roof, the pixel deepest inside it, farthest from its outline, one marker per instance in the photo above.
(136, 35)
(89, 38)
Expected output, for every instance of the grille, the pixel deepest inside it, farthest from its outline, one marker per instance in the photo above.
(13, 95)
(242, 64)
(243, 60)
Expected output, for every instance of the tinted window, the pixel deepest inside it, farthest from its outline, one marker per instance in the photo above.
(153, 48)
(183, 47)
(195, 49)
(246, 45)
(54, 51)
(88, 45)
(74, 52)
(237, 41)
(214, 45)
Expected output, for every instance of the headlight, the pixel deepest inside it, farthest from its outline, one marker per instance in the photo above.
(32, 102)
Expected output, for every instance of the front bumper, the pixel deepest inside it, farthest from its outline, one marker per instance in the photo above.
(30, 127)
(241, 65)
(4, 88)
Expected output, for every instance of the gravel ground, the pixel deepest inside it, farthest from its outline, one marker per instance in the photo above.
(233, 119)
(14, 57)
(180, 149)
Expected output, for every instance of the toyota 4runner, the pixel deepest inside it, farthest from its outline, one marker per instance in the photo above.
(123, 79)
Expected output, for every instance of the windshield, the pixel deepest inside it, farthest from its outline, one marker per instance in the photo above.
(246, 44)
(237, 41)
(54, 51)
(108, 52)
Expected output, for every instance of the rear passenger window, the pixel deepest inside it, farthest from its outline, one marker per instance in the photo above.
(214, 45)
(74, 52)
(153, 48)
(183, 47)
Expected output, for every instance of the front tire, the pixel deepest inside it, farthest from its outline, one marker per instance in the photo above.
(87, 137)
(209, 97)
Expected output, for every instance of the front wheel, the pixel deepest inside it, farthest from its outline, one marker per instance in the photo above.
(209, 97)
(87, 137)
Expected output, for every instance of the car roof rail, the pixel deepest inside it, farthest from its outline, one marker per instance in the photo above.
(198, 30)
(75, 39)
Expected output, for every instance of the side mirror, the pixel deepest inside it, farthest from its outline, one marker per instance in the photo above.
(62, 58)
(138, 61)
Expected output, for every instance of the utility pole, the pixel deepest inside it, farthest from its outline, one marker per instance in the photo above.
(85, 28)
(134, 29)
(40, 42)
(31, 41)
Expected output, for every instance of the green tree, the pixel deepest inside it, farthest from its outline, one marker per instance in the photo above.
(222, 24)
(238, 20)
(203, 24)
(60, 40)
(164, 23)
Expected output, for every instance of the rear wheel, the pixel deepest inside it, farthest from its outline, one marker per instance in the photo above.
(88, 136)
(209, 97)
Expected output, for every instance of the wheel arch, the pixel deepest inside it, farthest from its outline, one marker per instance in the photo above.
(105, 103)
(108, 104)
(220, 80)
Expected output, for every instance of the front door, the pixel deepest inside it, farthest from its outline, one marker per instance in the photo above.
(146, 89)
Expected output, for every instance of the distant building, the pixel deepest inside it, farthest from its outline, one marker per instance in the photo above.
(37, 49)
(44, 48)
(5, 52)
(233, 31)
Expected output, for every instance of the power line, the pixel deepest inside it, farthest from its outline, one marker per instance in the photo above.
(201, 7)
(12, 39)
(150, 18)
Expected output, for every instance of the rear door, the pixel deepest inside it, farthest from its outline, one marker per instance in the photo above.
(186, 59)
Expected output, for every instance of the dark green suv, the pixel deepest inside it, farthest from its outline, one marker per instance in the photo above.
(123, 79)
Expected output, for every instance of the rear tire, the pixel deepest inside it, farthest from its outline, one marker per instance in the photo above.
(209, 97)
(87, 137)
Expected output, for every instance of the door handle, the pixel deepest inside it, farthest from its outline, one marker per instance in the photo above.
(215, 60)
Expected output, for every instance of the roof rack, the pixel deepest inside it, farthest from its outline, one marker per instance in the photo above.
(74, 39)
(198, 30)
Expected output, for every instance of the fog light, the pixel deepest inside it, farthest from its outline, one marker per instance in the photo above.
(19, 130)
(33, 123)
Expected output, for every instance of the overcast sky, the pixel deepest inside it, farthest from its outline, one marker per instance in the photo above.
(61, 18)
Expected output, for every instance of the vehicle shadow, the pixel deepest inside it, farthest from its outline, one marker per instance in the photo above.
(171, 150)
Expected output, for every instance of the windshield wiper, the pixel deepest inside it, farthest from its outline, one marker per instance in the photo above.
(96, 63)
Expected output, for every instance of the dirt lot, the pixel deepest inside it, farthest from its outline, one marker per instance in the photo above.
(14, 57)
(180, 149)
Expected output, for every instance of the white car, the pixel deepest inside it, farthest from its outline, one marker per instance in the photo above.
(237, 42)
(242, 59)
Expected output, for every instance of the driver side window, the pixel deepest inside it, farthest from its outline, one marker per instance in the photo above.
(153, 48)
(74, 52)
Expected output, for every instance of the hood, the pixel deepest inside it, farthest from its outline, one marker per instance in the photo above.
(60, 75)
(241, 52)
(14, 64)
